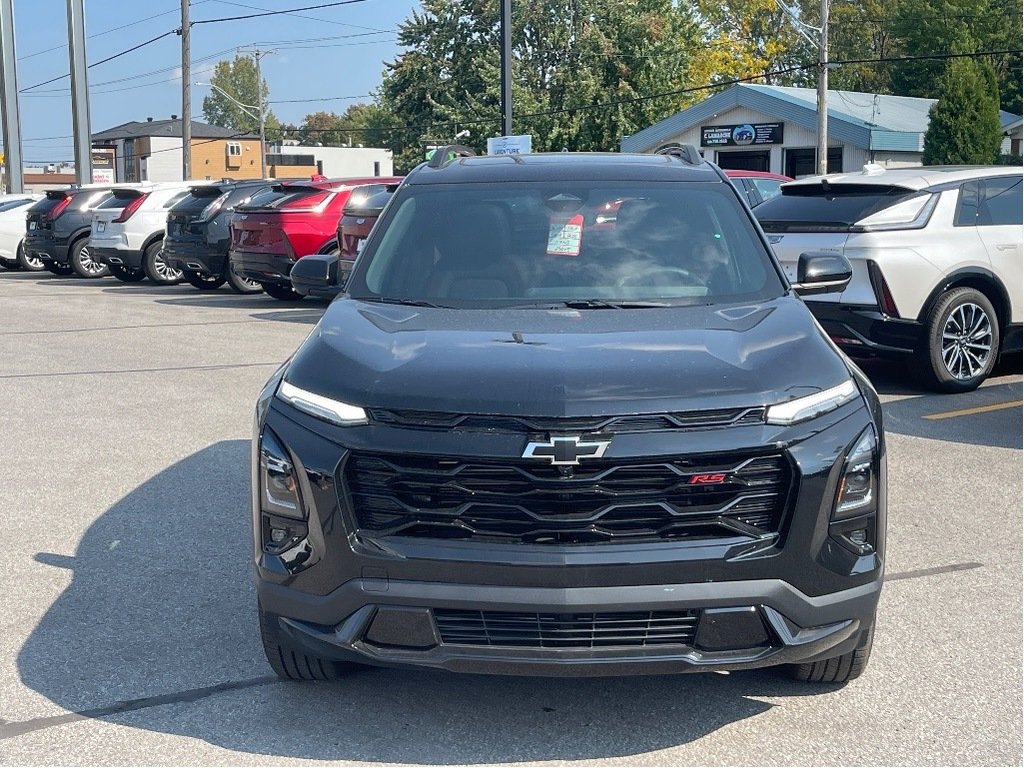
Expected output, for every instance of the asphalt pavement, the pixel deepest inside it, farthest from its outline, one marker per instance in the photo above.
(127, 623)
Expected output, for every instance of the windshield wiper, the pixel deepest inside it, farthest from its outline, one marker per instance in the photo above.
(406, 302)
(605, 304)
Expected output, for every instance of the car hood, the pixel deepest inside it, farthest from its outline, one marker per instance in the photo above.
(565, 362)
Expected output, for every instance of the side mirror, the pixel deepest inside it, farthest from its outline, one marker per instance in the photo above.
(319, 275)
(822, 273)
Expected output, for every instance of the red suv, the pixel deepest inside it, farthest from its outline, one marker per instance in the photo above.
(290, 220)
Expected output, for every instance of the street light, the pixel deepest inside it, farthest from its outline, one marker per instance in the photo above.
(245, 108)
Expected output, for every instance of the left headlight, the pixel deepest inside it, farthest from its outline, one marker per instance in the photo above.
(318, 406)
(804, 408)
(279, 484)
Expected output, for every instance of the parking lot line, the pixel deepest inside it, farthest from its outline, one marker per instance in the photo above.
(976, 409)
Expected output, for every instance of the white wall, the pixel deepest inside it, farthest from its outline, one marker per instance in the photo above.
(164, 161)
(344, 161)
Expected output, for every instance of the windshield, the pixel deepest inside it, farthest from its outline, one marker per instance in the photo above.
(552, 243)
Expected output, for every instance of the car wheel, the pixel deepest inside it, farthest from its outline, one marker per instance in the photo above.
(28, 262)
(157, 269)
(61, 270)
(203, 282)
(126, 275)
(83, 263)
(291, 662)
(241, 284)
(282, 292)
(962, 341)
(838, 669)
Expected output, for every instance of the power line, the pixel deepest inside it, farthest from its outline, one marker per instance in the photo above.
(278, 13)
(300, 16)
(330, 98)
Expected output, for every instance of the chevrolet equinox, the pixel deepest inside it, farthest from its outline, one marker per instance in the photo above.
(569, 417)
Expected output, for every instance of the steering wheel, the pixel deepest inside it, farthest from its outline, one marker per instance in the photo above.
(642, 277)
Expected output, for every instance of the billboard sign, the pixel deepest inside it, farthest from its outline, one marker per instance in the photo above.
(743, 135)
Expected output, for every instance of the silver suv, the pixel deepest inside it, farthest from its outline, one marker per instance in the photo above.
(936, 255)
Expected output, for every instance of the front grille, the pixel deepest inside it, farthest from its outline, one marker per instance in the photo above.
(635, 629)
(532, 503)
(719, 417)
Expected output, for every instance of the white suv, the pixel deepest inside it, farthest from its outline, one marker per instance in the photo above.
(128, 231)
(936, 255)
(12, 232)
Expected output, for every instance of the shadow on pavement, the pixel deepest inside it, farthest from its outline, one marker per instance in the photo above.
(161, 602)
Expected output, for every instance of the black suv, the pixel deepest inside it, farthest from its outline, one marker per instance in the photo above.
(57, 229)
(198, 237)
(530, 440)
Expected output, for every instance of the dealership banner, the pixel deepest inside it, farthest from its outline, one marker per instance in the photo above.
(740, 135)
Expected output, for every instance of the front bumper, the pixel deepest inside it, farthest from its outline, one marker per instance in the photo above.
(262, 267)
(742, 625)
(194, 256)
(865, 331)
(121, 257)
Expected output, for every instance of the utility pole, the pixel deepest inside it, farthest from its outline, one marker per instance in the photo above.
(79, 92)
(186, 93)
(823, 91)
(506, 67)
(9, 100)
(261, 108)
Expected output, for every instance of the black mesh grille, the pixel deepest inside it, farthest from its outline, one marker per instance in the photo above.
(533, 503)
(639, 423)
(566, 630)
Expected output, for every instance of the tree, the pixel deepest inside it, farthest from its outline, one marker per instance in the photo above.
(365, 125)
(238, 78)
(924, 27)
(964, 126)
(570, 57)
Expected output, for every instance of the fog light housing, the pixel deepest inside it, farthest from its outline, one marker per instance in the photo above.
(282, 534)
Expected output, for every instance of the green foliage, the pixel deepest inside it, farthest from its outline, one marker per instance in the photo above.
(238, 78)
(964, 127)
(921, 27)
(360, 124)
(567, 55)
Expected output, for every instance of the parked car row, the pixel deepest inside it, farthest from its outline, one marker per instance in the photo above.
(936, 253)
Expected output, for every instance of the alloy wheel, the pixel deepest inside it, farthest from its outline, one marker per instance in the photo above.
(89, 264)
(166, 273)
(966, 341)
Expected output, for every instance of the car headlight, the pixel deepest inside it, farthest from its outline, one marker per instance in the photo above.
(334, 411)
(279, 484)
(804, 408)
(856, 494)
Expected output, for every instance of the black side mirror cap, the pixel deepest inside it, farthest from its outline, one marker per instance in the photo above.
(319, 275)
(822, 273)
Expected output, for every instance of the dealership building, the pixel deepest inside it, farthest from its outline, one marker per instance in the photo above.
(774, 128)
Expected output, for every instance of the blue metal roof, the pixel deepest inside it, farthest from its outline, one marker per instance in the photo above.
(865, 120)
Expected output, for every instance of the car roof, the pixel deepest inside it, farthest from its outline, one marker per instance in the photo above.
(562, 166)
(740, 174)
(919, 178)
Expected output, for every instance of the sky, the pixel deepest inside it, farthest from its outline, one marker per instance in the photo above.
(333, 57)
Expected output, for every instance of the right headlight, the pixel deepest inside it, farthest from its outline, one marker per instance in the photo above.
(809, 406)
(321, 407)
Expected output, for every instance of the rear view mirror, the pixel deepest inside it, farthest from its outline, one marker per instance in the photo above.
(319, 275)
(822, 273)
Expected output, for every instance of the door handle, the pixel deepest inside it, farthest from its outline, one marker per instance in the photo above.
(1006, 247)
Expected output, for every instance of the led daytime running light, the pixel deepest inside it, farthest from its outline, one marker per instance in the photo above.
(803, 408)
(321, 407)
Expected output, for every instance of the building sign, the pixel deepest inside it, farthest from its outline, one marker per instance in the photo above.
(509, 145)
(102, 166)
(740, 135)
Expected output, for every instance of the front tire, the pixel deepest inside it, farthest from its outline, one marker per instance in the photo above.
(157, 269)
(203, 282)
(83, 263)
(838, 669)
(292, 663)
(27, 262)
(282, 292)
(962, 341)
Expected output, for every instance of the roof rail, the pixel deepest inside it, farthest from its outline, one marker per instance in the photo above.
(440, 157)
(688, 153)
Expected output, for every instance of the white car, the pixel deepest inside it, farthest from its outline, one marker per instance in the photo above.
(12, 232)
(936, 254)
(128, 231)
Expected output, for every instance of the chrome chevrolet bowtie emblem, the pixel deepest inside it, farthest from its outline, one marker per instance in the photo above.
(566, 451)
